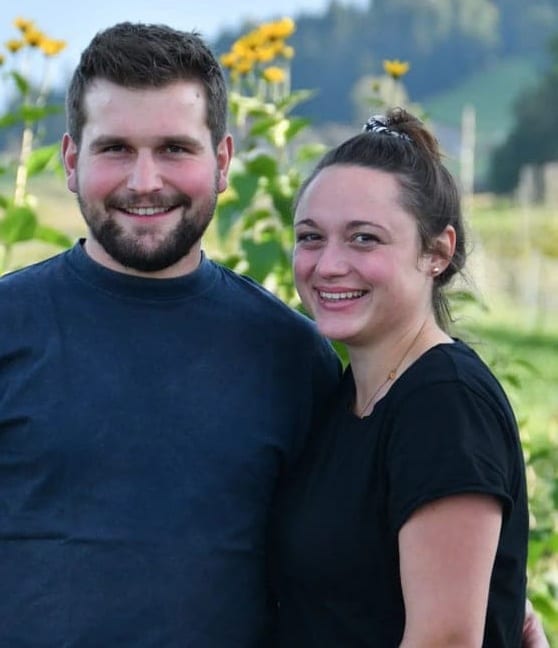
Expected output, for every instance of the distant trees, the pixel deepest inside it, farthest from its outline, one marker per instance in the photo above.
(446, 41)
(534, 136)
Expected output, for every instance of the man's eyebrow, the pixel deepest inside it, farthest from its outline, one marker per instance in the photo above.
(105, 140)
(169, 140)
(182, 140)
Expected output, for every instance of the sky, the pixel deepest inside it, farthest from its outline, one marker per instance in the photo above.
(77, 21)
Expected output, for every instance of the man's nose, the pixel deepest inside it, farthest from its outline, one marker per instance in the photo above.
(145, 176)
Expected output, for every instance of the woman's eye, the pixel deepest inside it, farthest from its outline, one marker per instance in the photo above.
(365, 237)
(307, 237)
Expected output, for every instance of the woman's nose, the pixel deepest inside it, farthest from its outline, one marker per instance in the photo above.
(332, 261)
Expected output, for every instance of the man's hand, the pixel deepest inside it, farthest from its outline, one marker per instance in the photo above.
(533, 631)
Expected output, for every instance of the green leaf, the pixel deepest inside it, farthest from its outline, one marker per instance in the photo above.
(27, 114)
(51, 235)
(296, 125)
(4, 202)
(260, 219)
(231, 261)
(262, 257)
(261, 127)
(41, 158)
(309, 152)
(19, 224)
(512, 379)
(227, 215)
(526, 364)
(539, 455)
(545, 605)
(233, 204)
(342, 352)
(282, 194)
(262, 165)
(21, 82)
(36, 113)
(248, 105)
(245, 186)
(277, 135)
(10, 119)
(294, 99)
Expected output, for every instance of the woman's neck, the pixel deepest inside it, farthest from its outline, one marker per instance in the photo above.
(376, 366)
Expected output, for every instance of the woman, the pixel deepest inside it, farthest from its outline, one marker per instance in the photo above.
(406, 522)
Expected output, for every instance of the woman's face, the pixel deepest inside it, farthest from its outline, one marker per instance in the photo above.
(358, 265)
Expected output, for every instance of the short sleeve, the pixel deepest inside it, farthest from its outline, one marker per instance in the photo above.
(446, 439)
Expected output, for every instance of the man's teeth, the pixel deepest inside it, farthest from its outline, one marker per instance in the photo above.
(337, 296)
(147, 211)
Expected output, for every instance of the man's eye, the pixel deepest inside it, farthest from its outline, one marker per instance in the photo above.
(176, 149)
(113, 148)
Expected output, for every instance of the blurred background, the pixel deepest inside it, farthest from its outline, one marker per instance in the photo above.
(303, 75)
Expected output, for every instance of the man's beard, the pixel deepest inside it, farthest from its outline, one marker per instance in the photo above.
(130, 249)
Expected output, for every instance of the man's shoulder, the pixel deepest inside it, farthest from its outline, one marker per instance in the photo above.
(23, 290)
(30, 274)
(252, 297)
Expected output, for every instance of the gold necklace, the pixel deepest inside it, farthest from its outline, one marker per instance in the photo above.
(391, 375)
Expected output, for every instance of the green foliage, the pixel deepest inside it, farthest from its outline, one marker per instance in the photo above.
(253, 219)
(19, 222)
(525, 360)
(526, 363)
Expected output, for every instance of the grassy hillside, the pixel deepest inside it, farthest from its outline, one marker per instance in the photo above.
(493, 93)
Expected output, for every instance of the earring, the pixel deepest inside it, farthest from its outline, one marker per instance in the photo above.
(435, 271)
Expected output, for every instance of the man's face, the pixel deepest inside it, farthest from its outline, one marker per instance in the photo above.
(146, 176)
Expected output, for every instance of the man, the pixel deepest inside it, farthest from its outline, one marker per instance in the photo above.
(151, 400)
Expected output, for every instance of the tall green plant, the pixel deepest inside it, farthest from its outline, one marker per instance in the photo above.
(254, 215)
(19, 221)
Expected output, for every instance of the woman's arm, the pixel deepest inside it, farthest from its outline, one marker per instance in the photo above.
(447, 550)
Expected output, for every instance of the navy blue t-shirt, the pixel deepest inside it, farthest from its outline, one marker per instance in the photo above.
(144, 425)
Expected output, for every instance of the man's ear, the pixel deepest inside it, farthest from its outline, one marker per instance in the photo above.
(225, 150)
(69, 151)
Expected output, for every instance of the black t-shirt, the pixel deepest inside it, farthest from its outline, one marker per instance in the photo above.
(445, 427)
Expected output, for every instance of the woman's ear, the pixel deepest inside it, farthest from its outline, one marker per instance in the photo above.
(443, 249)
